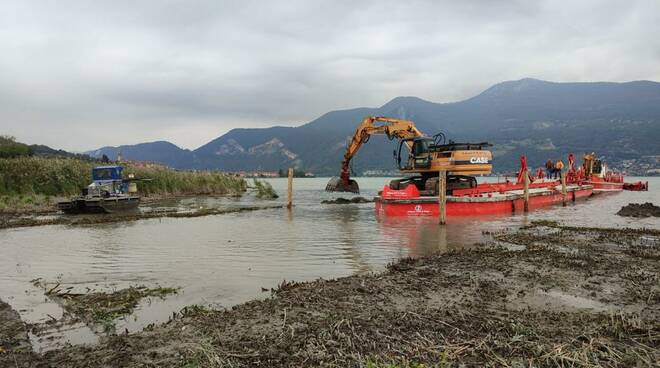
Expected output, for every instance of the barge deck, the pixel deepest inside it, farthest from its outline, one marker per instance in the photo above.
(408, 202)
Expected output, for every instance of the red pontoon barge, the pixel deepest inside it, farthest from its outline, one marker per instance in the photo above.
(483, 199)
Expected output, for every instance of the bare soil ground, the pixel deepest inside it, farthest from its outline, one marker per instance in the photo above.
(544, 295)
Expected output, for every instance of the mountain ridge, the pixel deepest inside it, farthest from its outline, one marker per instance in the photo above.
(539, 118)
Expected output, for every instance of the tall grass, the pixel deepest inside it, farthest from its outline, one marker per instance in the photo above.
(264, 190)
(24, 176)
(167, 181)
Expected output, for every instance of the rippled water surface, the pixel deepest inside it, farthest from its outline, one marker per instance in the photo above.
(227, 259)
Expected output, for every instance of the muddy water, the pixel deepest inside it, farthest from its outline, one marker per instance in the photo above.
(227, 259)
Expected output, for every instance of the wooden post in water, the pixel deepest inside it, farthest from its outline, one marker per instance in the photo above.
(442, 196)
(526, 192)
(289, 202)
(563, 188)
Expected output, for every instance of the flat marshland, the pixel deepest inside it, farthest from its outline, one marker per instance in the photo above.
(541, 295)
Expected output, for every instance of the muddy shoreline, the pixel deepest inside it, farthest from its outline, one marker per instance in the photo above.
(50, 208)
(12, 221)
(544, 295)
(13, 333)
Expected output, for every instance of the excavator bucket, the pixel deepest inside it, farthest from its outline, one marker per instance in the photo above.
(337, 185)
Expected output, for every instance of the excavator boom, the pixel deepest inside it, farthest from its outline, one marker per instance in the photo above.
(393, 128)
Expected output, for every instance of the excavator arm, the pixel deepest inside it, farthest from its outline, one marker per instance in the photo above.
(393, 128)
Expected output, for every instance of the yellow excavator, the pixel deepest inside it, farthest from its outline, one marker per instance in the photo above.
(422, 155)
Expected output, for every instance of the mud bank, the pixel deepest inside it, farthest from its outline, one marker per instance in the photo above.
(14, 222)
(640, 210)
(14, 341)
(544, 295)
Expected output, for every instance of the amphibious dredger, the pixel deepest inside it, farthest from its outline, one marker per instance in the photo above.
(427, 156)
(109, 192)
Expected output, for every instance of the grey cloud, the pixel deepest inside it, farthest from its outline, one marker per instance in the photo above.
(80, 74)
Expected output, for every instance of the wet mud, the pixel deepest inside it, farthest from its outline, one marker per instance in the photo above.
(11, 221)
(544, 295)
(13, 337)
(640, 210)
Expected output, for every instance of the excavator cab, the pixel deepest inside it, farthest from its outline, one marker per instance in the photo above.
(417, 157)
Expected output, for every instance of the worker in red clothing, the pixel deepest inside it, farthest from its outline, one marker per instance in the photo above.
(549, 168)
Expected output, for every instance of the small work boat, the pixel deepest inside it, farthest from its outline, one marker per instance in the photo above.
(595, 172)
(108, 193)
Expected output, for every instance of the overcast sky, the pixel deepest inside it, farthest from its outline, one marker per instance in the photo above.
(83, 74)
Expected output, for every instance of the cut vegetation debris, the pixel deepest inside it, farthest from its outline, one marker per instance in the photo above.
(542, 296)
(102, 308)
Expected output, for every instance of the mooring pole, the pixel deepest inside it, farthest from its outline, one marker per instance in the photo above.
(526, 191)
(442, 196)
(563, 188)
(289, 202)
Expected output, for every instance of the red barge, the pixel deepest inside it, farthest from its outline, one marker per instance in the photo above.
(508, 197)
(483, 199)
(448, 168)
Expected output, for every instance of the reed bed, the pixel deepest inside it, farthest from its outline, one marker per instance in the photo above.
(29, 181)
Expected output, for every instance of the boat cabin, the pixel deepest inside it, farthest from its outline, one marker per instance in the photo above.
(108, 180)
(104, 174)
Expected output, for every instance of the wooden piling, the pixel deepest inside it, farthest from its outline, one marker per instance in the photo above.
(289, 202)
(526, 192)
(442, 196)
(563, 188)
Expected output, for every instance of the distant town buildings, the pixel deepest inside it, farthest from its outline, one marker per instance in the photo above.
(642, 166)
(257, 174)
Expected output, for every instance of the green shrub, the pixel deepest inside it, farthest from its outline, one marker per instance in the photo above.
(9, 148)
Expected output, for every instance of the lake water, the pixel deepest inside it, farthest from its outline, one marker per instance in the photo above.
(227, 259)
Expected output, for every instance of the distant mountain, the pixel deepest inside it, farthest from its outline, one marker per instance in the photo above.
(10, 148)
(620, 121)
(161, 151)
